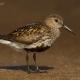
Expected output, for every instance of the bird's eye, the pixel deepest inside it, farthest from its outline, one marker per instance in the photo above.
(56, 20)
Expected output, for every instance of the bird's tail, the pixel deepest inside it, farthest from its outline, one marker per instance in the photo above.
(4, 39)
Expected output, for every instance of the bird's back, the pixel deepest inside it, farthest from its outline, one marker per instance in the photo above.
(30, 33)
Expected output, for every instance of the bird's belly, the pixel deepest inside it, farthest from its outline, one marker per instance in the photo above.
(46, 41)
(41, 43)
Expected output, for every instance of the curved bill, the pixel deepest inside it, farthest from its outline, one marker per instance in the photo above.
(67, 28)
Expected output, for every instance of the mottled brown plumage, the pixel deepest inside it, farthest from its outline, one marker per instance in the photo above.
(30, 33)
(35, 37)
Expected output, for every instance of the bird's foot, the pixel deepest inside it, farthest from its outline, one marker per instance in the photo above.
(31, 70)
(28, 69)
(37, 70)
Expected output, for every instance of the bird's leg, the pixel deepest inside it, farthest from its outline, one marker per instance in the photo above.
(27, 61)
(37, 67)
(34, 57)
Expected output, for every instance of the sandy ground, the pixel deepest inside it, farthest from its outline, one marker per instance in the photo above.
(61, 61)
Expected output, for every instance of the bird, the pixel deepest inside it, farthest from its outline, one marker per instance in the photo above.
(35, 37)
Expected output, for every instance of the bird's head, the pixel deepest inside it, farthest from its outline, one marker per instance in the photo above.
(56, 21)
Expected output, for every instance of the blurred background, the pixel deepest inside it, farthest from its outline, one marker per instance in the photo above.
(65, 51)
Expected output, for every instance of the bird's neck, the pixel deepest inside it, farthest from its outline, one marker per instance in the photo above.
(55, 32)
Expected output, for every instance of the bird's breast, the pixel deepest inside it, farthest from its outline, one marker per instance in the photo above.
(55, 33)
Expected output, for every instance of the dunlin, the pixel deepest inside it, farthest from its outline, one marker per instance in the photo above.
(35, 37)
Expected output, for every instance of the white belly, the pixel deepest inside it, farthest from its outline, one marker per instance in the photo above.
(40, 43)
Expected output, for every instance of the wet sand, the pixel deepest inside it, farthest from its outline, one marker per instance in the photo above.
(62, 60)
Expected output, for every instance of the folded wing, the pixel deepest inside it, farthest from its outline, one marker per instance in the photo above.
(30, 33)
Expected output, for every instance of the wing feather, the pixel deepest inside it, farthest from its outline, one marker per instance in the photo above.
(29, 34)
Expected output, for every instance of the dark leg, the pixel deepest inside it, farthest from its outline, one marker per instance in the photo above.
(27, 61)
(37, 67)
(34, 57)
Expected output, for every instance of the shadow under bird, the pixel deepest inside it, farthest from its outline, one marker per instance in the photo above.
(35, 37)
